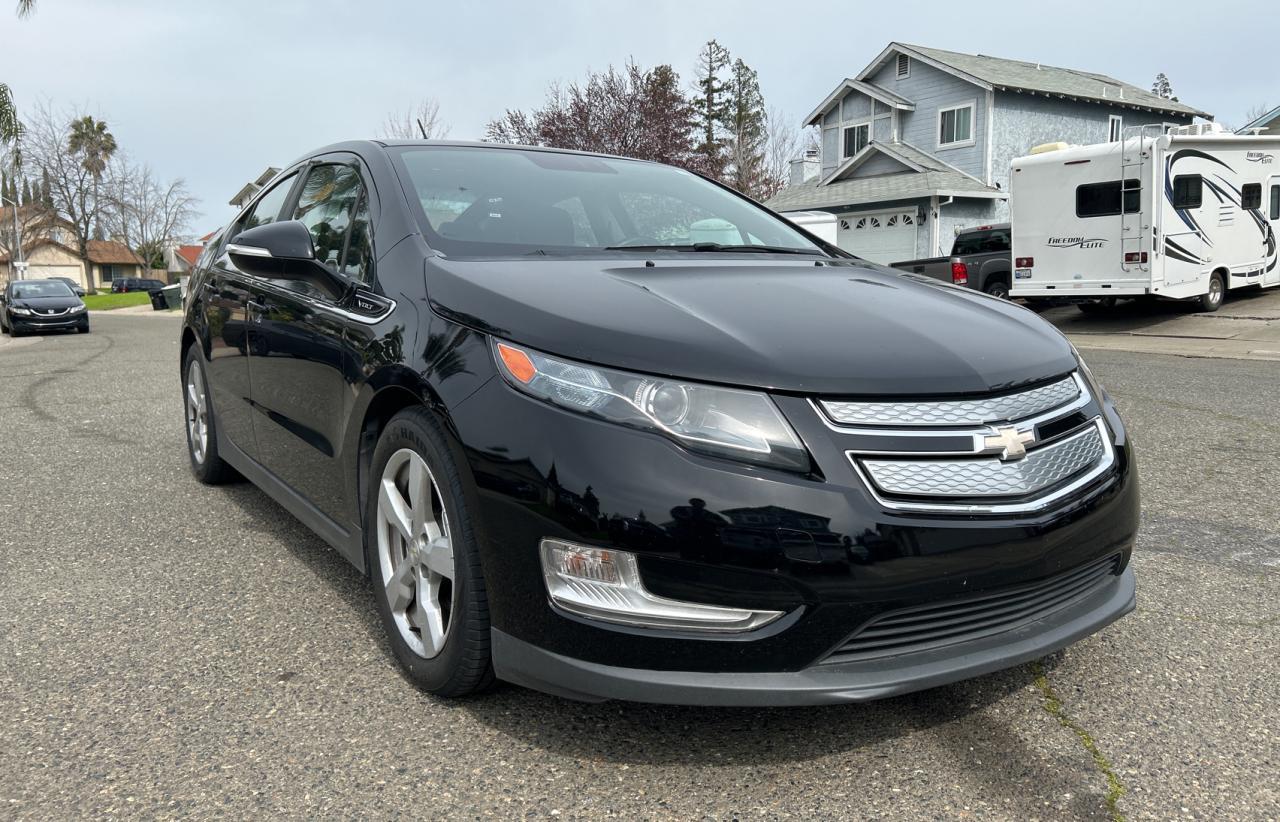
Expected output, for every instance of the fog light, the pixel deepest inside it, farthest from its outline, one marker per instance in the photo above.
(605, 584)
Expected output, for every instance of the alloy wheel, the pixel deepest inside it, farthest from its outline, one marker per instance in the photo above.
(1215, 291)
(197, 413)
(415, 554)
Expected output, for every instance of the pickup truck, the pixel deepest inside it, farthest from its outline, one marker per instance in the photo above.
(980, 258)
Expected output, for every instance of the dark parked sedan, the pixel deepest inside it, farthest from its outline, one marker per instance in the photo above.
(607, 429)
(41, 305)
(75, 287)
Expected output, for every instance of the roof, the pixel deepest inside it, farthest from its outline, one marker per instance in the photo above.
(1268, 122)
(189, 253)
(944, 182)
(249, 189)
(889, 98)
(110, 252)
(904, 153)
(1017, 75)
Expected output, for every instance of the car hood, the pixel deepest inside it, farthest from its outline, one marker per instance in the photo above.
(44, 303)
(790, 325)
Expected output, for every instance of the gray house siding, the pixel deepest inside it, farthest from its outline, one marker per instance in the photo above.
(1023, 122)
(931, 89)
(878, 164)
(963, 214)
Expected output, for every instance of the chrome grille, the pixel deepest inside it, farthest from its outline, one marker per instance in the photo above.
(958, 412)
(1042, 468)
(937, 625)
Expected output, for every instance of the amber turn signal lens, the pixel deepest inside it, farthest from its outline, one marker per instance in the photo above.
(517, 362)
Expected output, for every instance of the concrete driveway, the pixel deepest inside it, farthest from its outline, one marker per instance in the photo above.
(168, 649)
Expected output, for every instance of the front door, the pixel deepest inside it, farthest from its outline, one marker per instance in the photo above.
(303, 366)
(1271, 201)
(230, 323)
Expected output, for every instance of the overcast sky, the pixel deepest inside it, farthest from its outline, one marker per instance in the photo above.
(216, 91)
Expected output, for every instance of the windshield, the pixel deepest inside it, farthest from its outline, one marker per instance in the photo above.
(479, 201)
(40, 288)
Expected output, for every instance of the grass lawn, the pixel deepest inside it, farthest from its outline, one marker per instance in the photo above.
(106, 302)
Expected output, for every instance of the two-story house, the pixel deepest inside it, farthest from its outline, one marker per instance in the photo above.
(919, 143)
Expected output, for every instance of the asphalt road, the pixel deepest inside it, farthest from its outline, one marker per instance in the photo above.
(168, 649)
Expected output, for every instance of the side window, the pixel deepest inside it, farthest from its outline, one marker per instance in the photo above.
(357, 262)
(1275, 202)
(328, 198)
(267, 209)
(1106, 199)
(1187, 191)
(1251, 196)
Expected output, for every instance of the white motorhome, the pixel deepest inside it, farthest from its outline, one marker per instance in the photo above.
(1186, 214)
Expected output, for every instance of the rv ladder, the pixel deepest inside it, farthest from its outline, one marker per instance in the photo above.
(1136, 147)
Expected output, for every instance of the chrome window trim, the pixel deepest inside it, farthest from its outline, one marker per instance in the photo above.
(1082, 399)
(1039, 503)
(250, 281)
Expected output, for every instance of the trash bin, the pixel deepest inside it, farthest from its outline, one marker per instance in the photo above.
(157, 300)
(172, 295)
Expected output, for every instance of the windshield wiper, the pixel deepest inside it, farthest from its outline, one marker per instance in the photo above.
(717, 247)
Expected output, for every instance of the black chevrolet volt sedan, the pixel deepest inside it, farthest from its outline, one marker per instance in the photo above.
(607, 429)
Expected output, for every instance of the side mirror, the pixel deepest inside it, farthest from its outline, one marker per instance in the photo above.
(283, 251)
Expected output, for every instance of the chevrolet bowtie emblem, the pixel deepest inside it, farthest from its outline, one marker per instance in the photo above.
(1011, 443)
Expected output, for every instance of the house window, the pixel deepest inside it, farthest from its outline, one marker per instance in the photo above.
(856, 138)
(1104, 199)
(1187, 191)
(904, 66)
(1115, 128)
(107, 272)
(1251, 196)
(955, 126)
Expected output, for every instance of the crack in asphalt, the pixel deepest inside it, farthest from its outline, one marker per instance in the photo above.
(1053, 706)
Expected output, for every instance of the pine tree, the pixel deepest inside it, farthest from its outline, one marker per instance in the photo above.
(1163, 88)
(26, 192)
(46, 191)
(711, 108)
(748, 130)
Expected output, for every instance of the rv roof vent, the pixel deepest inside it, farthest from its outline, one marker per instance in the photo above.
(1045, 148)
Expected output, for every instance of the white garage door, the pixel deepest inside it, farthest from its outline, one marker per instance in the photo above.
(886, 237)
(44, 272)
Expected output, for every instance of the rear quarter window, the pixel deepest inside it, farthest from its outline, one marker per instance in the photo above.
(981, 242)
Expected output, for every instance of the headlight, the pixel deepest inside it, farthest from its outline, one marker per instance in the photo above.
(741, 425)
(76, 309)
(20, 311)
(1096, 387)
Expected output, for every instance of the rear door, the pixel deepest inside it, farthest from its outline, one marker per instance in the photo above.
(231, 334)
(303, 367)
(1271, 206)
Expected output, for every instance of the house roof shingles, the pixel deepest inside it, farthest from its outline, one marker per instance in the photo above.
(189, 253)
(110, 252)
(1018, 75)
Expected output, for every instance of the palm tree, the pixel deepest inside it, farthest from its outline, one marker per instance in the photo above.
(10, 128)
(90, 139)
(25, 7)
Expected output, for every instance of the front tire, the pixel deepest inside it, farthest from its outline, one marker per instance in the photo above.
(420, 547)
(202, 440)
(1212, 300)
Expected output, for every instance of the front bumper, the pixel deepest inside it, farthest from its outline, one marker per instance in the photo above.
(526, 664)
(819, 547)
(38, 323)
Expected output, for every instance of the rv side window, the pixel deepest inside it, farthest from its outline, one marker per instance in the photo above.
(1103, 199)
(1187, 191)
(1251, 196)
(1275, 202)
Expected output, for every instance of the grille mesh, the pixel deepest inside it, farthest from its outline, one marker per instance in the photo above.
(937, 625)
(1042, 468)
(955, 412)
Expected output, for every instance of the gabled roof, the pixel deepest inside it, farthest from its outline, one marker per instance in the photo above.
(873, 91)
(110, 252)
(189, 253)
(923, 176)
(1016, 75)
(249, 189)
(1269, 122)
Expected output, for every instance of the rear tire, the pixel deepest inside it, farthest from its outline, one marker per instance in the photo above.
(998, 289)
(418, 530)
(202, 428)
(1212, 300)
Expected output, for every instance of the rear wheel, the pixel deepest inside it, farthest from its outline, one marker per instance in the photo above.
(421, 552)
(997, 288)
(202, 440)
(1212, 299)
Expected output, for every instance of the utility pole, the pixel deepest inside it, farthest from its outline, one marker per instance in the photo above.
(16, 262)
